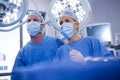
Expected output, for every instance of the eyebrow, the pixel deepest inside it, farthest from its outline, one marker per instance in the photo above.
(34, 19)
(66, 20)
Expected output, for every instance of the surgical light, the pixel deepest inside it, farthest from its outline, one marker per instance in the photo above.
(81, 8)
(11, 13)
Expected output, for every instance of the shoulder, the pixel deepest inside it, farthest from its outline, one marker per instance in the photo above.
(26, 46)
(61, 48)
(54, 38)
(58, 40)
(91, 39)
(29, 44)
(94, 42)
(49, 38)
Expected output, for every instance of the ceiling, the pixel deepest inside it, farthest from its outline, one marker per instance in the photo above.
(42, 5)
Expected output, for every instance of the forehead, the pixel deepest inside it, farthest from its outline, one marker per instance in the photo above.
(63, 18)
(33, 17)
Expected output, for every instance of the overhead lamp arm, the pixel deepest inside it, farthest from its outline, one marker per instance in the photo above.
(11, 13)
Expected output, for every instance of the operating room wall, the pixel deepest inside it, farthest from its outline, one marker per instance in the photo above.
(106, 11)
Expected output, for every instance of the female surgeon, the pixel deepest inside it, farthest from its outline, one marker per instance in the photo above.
(77, 47)
(41, 48)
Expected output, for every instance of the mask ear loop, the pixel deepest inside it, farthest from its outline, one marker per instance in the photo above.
(43, 30)
(77, 30)
(76, 24)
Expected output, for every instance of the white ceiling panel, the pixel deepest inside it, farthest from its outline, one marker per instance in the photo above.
(42, 5)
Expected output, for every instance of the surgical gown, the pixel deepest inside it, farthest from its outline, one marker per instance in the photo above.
(89, 47)
(42, 52)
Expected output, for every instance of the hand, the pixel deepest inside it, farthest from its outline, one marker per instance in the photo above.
(77, 56)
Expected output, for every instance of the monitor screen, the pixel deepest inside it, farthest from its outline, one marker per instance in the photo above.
(101, 31)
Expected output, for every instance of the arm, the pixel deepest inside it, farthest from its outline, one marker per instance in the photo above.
(57, 58)
(20, 60)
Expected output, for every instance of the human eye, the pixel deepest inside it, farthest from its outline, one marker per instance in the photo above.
(28, 20)
(61, 22)
(35, 20)
(67, 20)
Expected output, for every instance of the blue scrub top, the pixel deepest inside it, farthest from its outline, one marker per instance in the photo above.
(89, 47)
(42, 52)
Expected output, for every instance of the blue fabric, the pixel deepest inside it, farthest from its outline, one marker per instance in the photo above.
(95, 70)
(89, 47)
(42, 52)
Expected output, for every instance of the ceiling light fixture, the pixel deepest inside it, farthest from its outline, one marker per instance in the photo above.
(81, 8)
(11, 13)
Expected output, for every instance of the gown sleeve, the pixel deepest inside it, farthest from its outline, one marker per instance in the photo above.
(57, 58)
(20, 60)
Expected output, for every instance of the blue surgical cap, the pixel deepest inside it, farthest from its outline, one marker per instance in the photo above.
(70, 13)
(38, 15)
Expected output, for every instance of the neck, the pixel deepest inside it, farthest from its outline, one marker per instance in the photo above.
(75, 37)
(38, 38)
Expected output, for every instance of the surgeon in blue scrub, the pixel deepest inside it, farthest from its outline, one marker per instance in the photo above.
(41, 48)
(77, 48)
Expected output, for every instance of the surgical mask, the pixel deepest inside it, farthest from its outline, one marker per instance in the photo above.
(33, 28)
(67, 30)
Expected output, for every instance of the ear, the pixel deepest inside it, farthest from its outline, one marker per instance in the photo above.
(42, 26)
(76, 25)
